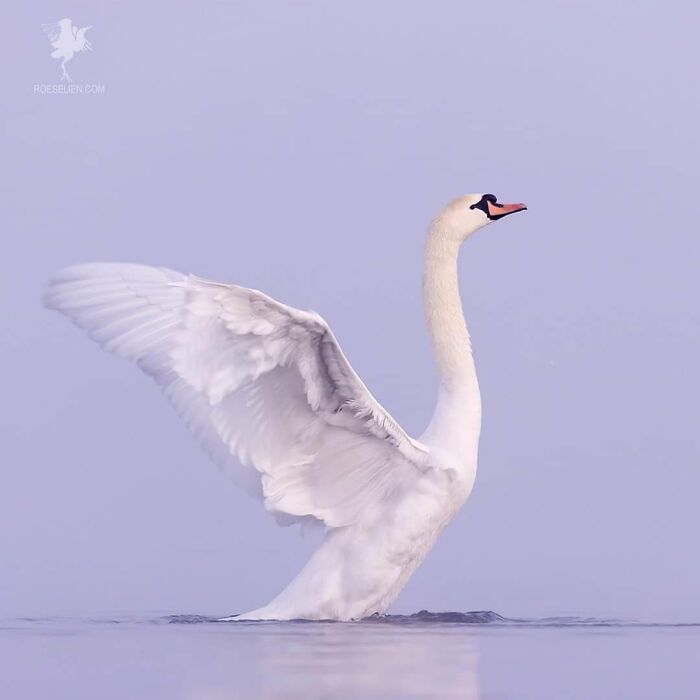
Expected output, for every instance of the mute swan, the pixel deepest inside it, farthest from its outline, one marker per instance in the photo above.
(268, 391)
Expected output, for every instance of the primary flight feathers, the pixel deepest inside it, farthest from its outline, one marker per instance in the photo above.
(265, 387)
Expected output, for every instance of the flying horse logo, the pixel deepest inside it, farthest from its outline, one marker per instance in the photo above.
(66, 40)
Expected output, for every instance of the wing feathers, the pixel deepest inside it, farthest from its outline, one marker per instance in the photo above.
(264, 387)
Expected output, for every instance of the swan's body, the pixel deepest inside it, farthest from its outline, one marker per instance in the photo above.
(273, 399)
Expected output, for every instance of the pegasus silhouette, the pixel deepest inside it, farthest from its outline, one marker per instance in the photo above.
(67, 40)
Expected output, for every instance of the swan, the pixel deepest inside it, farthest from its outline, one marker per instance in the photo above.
(272, 398)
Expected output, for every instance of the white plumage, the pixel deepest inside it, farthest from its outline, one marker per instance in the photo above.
(272, 398)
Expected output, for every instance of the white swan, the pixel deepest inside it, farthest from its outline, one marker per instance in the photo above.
(268, 391)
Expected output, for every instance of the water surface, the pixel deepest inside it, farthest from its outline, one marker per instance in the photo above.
(476, 656)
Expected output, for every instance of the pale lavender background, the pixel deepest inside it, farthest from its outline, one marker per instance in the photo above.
(302, 148)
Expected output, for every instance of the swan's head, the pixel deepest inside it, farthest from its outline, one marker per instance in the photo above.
(471, 212)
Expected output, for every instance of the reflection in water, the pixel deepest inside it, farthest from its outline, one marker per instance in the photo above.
(362, 660)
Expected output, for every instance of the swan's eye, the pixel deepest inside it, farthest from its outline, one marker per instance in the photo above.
(483, 203)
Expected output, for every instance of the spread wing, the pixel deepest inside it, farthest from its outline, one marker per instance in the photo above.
(265, 387)
(52, 31)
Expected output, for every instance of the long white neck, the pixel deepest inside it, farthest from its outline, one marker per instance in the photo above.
(457, 419)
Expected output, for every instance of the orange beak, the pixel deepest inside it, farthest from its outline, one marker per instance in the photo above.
(498, 211)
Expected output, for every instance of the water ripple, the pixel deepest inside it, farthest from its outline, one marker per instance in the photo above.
(425, 617)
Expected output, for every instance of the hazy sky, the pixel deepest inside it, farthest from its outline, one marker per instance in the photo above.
(302, 148)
